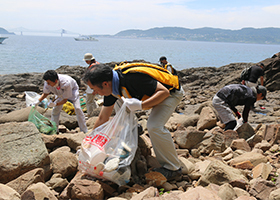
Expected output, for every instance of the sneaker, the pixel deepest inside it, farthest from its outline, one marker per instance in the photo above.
(169, 174)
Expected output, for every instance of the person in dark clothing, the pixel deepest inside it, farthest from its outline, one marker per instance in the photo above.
(236, 94)
(256, 73)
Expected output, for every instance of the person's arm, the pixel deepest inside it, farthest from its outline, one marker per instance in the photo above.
(61, 102)
(261, 80)
(160, 94)
(233, 109)
(243, 82)
(104, 115)
(42, 97)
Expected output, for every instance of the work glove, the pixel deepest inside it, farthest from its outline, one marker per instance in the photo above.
(36, 103)
(51, 104)
(238, 115)
(133, 104)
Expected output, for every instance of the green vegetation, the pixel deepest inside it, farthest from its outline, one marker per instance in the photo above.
(245, 35)
(161, 191)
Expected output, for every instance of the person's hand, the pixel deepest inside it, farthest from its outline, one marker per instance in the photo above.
(238, 115)
(35, 103)
(51, 104)
(133, 104)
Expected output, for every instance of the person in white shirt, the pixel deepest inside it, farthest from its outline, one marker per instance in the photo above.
(65, 88)
(90, 98)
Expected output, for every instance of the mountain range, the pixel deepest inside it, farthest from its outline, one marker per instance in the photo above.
(244, 35)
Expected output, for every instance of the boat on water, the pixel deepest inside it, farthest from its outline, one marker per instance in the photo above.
(2, 39)
(85, 38)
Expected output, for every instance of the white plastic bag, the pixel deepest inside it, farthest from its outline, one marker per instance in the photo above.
(239, 124)
(31, 97)
(109, 149)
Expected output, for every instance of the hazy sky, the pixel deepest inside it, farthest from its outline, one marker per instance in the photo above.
(112, 16)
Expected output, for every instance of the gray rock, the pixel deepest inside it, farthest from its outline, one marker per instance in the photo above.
(64, 162)
(21, 183)
(38, 191)
(189, 137)
(8, 193)
(22, 149)
(220, 173)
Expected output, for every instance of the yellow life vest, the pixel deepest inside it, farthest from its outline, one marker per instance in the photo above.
(160, 74)
(173, 71)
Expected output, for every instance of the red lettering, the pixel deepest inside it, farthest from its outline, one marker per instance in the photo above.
(99, 140)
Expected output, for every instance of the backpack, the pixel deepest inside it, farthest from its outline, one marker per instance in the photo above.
(245, 73)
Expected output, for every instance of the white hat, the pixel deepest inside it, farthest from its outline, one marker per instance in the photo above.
(88, 56)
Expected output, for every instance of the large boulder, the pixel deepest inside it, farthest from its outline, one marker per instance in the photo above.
(253, 157)
(189, 137)
(272, 72)
(220, 173)
(213, 140)
(24, 181)
(64, 162)
(22, 149)
(38, 191)
(207, 119)
(8, 193)
(18, 115)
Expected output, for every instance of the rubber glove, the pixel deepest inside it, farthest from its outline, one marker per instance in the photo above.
(51, 104)
(238, 115)
(36, 103)
(133, 104)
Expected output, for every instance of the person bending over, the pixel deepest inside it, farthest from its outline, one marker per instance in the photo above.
(256, 73)
(236, 94)
(142, 90)
(65, 88)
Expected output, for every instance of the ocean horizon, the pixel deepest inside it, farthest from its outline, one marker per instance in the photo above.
(27, 54)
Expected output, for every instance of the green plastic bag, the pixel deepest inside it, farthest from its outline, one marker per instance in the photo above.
(43, 124)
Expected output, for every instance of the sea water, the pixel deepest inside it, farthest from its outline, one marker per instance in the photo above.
(22, 54)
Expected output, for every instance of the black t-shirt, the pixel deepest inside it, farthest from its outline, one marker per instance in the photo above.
(137, 84)
(256, 72)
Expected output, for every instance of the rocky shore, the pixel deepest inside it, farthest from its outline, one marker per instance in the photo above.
(216, 164)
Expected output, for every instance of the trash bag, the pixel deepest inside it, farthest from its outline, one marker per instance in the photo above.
(43, 124)
(31, 97)
(108, 150)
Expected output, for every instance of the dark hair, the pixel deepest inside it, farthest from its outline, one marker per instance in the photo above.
(50, 75)
(261, 90)
(162, 58)
(98, 74)
(261, 64)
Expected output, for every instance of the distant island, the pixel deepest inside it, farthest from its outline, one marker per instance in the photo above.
(4, 31)
(244, 35)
